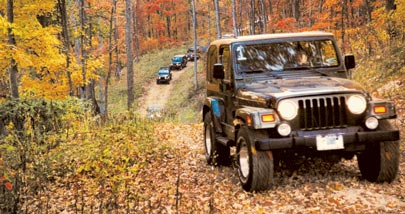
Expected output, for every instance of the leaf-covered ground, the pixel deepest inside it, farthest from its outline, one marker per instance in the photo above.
(182, 182)
(174, 178)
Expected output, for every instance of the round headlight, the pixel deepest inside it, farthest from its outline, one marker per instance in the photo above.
(284, 129)
(371, 123)
(288, 109)
(357, 104)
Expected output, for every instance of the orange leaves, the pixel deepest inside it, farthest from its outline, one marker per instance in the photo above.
(287, 24)
(151, 7)
(335, 186)
(7, 184)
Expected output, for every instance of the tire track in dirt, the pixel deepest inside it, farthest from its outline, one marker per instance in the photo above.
(159, 94)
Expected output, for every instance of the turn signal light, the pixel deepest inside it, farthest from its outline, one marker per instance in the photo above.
(268, 118)
(249, 120)
(380, 109)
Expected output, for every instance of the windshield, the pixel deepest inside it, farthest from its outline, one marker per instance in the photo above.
(282, 56)
(177, 59)
(163, 71)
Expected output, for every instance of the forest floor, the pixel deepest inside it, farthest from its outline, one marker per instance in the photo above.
(182, 182)
(176, 178)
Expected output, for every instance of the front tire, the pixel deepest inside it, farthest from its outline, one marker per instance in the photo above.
(215, 152)
(255, 168)
(379, 162)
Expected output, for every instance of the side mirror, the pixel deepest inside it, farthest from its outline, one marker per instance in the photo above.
(219, 71)
(350, 62)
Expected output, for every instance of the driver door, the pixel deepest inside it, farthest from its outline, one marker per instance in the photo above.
(227, 84)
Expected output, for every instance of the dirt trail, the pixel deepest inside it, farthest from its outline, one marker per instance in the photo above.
(158, 95)
(184, 183)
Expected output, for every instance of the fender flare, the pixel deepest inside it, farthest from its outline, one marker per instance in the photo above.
(215, 106)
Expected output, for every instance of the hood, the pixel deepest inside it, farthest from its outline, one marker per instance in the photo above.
(265, 93)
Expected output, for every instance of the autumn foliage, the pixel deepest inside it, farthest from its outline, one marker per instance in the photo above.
(57, 154)
(58, 54)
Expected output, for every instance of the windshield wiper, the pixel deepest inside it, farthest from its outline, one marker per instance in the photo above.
(250, 69)
(301, 67)
(253, 71)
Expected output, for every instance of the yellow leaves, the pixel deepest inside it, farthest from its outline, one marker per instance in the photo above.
(335, 186)
(333, 200)
(4, 25)
(31, 8)
(93, 66)
(51, 88)
(37, 52)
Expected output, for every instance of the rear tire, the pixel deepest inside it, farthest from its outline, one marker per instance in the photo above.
(215, 152)
(379, 162)
(255, 168)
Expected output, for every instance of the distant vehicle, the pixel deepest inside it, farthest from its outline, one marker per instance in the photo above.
(164, 75)
(190, 53)
(179, 62)
(204, 49)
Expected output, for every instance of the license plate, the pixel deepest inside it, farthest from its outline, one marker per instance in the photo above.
(329, 142)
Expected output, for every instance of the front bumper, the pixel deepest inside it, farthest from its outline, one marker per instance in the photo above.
(163, 79)
(308, 139)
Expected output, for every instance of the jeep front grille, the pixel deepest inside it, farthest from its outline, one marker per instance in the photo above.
(322, 112)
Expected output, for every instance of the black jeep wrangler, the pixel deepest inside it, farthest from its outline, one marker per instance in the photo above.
(191, 54)
(164, 75)
(179, 62)
(279, 94)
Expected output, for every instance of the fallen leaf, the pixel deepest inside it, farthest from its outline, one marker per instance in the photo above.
(8, 185)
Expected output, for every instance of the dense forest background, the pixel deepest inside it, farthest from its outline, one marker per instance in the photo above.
(61, 48)
(72, 73)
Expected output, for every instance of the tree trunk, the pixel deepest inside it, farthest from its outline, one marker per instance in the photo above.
(320, 7)
(130, 65)
(368, 10)
(66, 41)
(343, 29)
(235, 31)
(352, 24)
(77, 47)
(136, 32)
(168, 26)
(13, 70)
(110, 53)
(368, 13)
(118, 63)
(391, 30)
(218, 19)
(209, 25)
(296, 12)
(195, 45)
(240, 23)
(270, 14)
(263, 16)
(252, 17)
(90, 84)
(83, 94)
